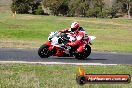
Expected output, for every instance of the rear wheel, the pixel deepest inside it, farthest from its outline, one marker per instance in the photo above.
(85, 54)
(43, 51)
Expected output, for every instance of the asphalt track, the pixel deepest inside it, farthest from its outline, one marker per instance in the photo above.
(31, 56)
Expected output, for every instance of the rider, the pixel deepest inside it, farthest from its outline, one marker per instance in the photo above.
(80, 34)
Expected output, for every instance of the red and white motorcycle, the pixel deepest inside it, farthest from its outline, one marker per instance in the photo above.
(57, 46)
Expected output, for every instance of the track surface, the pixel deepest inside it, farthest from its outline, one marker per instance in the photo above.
(30, 55)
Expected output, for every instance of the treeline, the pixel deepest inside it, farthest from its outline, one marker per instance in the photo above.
(78, 8)
(27, 6)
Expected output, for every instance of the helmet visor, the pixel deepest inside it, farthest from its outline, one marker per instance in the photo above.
(73, 29)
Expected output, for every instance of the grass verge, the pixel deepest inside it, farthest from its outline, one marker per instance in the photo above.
(112, 34)
(55, 76)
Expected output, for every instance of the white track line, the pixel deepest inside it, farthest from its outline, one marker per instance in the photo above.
(53, 63)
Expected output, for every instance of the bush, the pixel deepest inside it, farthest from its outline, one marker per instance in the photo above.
(93, 12)
(104, 13)
(21, 6)
(24, 6)
(39, 11)
(112, 12)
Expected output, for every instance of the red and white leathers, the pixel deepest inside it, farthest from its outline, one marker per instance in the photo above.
(81, 38)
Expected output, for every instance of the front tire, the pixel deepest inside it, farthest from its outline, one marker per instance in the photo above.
(43, 51)
(83, 55)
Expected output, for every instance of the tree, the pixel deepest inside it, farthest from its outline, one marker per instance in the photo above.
(78, 7)
(126, 6)
(112, 11)
(53, 5)
(57, 6)
(21, 6)
(96, 8)
(129, 5)
(27, 6)
(36, 7)
(63, 8)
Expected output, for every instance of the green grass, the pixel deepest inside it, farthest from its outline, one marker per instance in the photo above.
(112, 34)
(55, 76)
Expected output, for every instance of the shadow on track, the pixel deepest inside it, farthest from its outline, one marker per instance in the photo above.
(76, 59)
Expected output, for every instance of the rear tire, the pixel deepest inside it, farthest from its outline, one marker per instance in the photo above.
(43, 51)
(83, 55)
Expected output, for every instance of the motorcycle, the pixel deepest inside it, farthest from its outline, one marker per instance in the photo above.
(57, 46)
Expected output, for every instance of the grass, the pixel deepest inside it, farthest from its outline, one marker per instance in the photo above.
(112, 34)
(55, 76)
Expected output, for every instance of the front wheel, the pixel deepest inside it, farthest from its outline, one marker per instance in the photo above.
(43, 51)
(83, 55)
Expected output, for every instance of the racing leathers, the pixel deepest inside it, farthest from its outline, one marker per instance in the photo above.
(81, 38)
